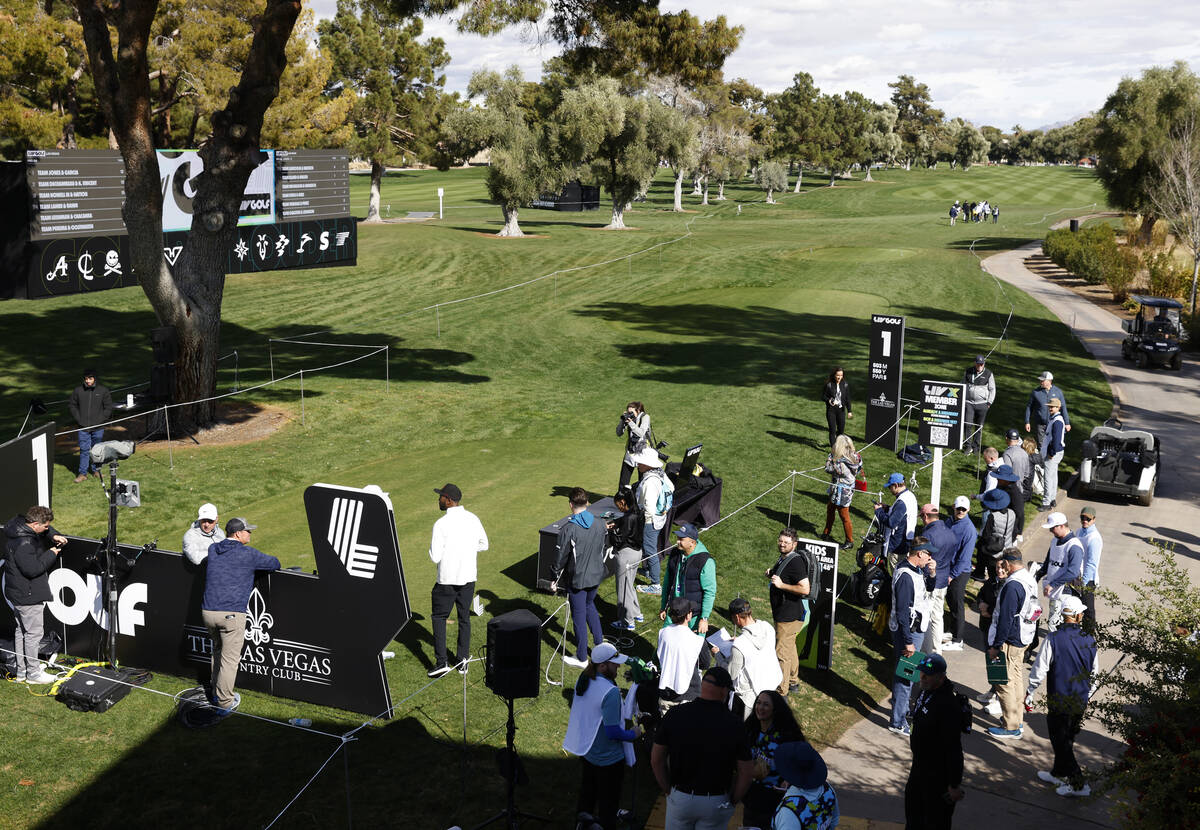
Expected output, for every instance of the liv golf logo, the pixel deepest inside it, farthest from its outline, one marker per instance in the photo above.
(344, 521)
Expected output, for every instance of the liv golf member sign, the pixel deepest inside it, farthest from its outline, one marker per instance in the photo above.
(311, 637)
(885, 372)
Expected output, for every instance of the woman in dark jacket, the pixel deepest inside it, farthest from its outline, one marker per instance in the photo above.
(837, 403)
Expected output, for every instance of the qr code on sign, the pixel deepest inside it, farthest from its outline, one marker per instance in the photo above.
(939, 436)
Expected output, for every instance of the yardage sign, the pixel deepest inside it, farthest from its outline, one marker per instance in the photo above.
(884, 374)
(941, 414)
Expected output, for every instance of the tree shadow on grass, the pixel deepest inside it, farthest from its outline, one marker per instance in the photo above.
(61, 342)
(990, 244)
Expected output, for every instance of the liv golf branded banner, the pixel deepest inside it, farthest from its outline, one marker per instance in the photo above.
(27, 462)
(885, 372)
(311, 637)
(942, 414)
(814, 644)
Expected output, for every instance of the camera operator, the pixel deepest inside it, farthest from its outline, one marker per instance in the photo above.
(634, 420)
(29, 556)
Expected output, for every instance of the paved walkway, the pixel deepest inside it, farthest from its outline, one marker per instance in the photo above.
(869, 765)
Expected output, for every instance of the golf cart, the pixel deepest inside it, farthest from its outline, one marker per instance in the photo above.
(1119, 461)
(1153, 337)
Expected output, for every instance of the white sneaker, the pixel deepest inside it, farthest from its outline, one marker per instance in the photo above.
(985, 697)
(947, 638)
(571, 661)
(1067, 791)
(1045, 775)
(952, 646)
(41, 678)
(993, 709)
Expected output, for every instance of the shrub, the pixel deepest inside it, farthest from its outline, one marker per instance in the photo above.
(1119, 266)
(1165, 275)
(1057, 246)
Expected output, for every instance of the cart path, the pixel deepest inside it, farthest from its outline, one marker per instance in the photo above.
(869, 765)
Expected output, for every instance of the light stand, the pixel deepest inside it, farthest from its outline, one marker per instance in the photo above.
(511, 768)
(110, 566)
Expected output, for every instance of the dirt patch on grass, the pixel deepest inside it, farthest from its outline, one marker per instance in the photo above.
(487, 235)
(238, 422)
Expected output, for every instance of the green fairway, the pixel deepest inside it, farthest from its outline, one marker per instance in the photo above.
(724, 323)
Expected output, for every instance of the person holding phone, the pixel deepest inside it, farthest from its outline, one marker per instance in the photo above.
(31, 547)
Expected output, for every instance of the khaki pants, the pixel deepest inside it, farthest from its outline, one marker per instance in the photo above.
(1012, 693)
(785, 651)
(228, 632)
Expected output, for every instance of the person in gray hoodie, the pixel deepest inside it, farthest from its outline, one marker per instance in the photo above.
(581, 544)
(232, 564)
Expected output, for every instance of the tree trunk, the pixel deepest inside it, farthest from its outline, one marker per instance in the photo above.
(618, 216)
(696, 185)
(799, 179)
(867, 178)
(832, 178)
(511, 228)
(376, 184)
(720, 191)
(770, 198)
(679, 190)
(1195, 273)
(1146, 231)
(190, 301)
(704, 201)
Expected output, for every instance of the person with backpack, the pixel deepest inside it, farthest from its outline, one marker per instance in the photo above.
(911, 586)
(691, 573)
(1011, 631)
(809, 802)
(999, 531)
(790, 589)
(655, 496)
(935, 778)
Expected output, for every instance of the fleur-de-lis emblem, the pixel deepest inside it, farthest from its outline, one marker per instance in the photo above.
(260, 620)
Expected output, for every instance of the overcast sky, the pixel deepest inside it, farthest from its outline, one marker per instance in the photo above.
(998, 62)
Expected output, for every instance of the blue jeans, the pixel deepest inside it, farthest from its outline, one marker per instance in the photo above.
(901, 689)
(650, 549)
(584, 617)
(87, 437)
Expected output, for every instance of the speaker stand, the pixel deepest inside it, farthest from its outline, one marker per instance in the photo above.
(510, 814)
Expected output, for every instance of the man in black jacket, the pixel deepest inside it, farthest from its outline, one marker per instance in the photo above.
(29, 555)
(935, 779)
(91, 404)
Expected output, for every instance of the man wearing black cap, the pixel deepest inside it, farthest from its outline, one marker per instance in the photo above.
(935, 779)
(691, 573)
(458, 537)
(228, 581)
(1016, 458)
(1037, 409)
(980, 392)
(701, 758)
(91, 404)
(1011, 631)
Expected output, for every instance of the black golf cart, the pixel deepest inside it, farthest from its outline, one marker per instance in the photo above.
(1153, 337)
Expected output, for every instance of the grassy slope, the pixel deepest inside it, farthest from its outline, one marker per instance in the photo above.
(726, 336)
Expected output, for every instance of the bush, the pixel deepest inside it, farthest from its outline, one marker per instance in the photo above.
(1085, 254)
(1120, 267)
(1058, 245)
(1166, 276)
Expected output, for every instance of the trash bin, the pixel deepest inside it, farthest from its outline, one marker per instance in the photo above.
(1074, 226)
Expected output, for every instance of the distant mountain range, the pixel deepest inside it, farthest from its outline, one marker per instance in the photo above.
(1071, 120)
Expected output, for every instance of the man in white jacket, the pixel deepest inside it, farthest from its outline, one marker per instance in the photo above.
(202, 533)
(458, 537)
(752, 662)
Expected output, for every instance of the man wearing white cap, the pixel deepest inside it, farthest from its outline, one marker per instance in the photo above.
(1068, 659)
(1063, 565)
(1037, 412)
(965, 535)
(202, 533)
(596, 733)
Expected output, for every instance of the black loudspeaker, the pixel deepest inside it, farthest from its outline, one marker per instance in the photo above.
(514, 654)
(165, 343)
(162, 384)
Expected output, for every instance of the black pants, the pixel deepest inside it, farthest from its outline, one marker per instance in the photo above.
(956, 597)
(444, 598)
(626, 475)
(1089, 611)
(1063, 729)
(925, 807)
(975, 415)
(600, 792)
(835, 416)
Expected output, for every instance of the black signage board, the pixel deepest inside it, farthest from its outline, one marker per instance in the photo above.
(75, 193)
(942, 414)
(884, 375)
(312, 638)
(814, 643)
(79, 264)
(28, 479)
(312, 184)
(309, 244)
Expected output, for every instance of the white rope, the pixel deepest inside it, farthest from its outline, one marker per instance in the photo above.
(1048, 215)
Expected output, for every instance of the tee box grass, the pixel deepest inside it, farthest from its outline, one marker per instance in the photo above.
(724, 323)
